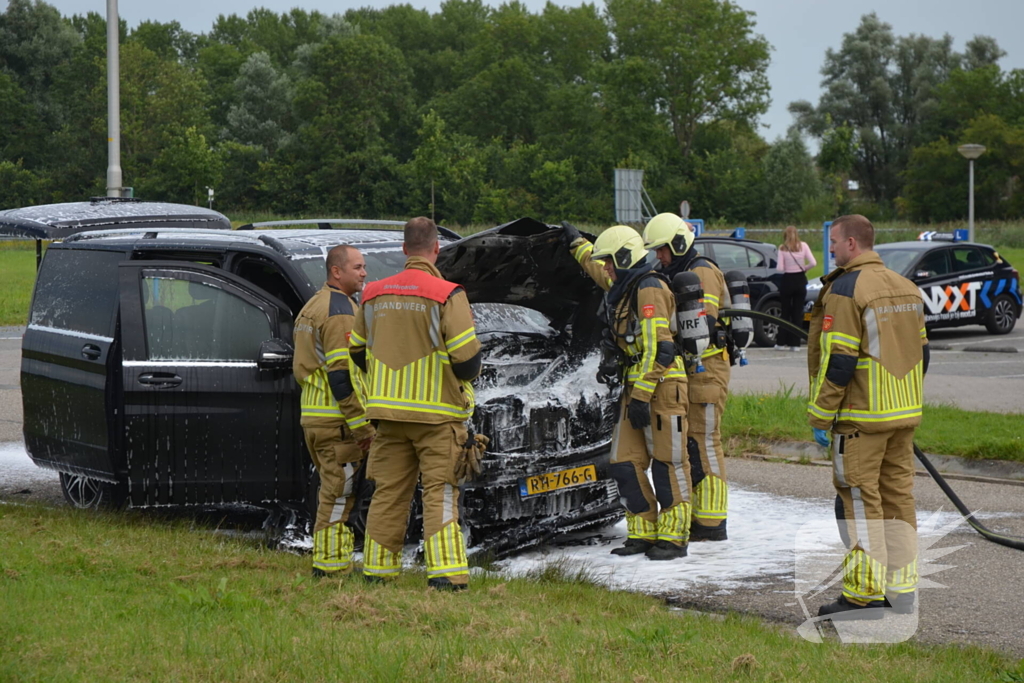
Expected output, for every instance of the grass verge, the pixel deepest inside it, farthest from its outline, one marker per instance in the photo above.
(97, 597)
(18, 268)
(782, 416)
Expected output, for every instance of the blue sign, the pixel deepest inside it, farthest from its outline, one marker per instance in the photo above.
(830, 258)
(698, 225)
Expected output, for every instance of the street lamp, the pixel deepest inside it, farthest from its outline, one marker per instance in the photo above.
(971, 152)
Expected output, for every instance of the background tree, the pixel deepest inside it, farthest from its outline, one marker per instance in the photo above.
(703, 61)
(885, 88)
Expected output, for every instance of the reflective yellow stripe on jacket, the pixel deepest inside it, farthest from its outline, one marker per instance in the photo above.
(318, 400)
(417, 386)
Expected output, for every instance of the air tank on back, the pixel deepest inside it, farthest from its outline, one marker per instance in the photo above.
(692, 332)
(742, 326)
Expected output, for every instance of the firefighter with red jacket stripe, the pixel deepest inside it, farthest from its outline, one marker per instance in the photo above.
(417, 342)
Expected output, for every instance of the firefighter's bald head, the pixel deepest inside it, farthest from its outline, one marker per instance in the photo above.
(421, 238)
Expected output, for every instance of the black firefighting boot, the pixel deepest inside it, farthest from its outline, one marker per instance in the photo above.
(633, 546)
(843, 609)
(666, 550)
(902, 603)
(699, 532)
(443, 584)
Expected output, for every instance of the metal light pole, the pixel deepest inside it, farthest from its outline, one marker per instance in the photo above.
(971, 152)
(114, 180)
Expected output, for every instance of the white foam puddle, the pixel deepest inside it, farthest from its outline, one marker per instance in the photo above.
(18, 472)
(763, 534)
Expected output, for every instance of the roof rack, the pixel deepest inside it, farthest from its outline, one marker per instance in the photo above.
(329, 223)
(152, 233)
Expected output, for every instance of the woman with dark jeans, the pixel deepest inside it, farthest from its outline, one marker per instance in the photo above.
(795, 259)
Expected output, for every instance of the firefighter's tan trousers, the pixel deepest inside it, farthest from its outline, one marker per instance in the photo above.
(337, 458)
(874, 477)
(708, 393)
(662, 446)
(402, 454)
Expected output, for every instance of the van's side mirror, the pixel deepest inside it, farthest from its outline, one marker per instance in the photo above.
(275, 354)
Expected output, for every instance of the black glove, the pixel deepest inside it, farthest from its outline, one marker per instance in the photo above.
(639, 414)
(571, 233)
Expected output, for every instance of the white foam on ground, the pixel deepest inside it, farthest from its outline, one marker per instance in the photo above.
(763, 531)
(17, 471)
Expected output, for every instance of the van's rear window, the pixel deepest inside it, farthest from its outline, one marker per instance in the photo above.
(76, 290)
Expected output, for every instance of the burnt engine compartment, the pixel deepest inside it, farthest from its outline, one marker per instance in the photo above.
(539, 403)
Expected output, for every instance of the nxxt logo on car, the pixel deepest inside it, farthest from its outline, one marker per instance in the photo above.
(950, 302)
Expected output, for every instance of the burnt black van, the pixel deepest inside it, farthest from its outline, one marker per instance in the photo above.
(156, 368)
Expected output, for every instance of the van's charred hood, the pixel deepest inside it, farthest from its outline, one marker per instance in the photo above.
(526, 263)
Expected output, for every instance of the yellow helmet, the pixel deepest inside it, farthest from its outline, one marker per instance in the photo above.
(671, 230)
(622, 244)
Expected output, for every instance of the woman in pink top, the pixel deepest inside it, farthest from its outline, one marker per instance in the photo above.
(795, 259)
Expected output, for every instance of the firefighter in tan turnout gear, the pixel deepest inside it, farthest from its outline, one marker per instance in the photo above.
(867, 355)
(336, 428)
(671, 239)
(651, 432)
(418, 345)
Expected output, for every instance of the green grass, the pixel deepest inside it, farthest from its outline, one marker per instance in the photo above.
(17, 276)
(123, 598)
(752, 418)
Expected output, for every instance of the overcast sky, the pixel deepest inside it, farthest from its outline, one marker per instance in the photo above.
(799, 30)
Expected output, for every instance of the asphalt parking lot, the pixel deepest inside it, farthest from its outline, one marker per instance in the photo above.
(970, 369)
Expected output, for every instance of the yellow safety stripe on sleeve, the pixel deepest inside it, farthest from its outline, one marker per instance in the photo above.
(924, 333)
(711, 299)
(461, 340)
(863, 577)
(645, 386)
(903, 580)
(379, 561)
(445, 552)
(711, 499)
(650, 344)
(582, 250)
(675, 371)
(356, 340)
(818, 381)
(357, 422)
(844, 339)
(820, 412)
(638, 527)
(674, 524)
(336, 354)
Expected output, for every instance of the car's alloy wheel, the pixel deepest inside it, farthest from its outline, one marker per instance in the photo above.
(86, 493)
(1002, 316)
(765, 333)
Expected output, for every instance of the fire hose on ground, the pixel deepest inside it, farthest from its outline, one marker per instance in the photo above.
(1008, 541)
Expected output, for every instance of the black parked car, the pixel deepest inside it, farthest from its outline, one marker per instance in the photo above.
(962, 283)
(156, 369)
(758, 261)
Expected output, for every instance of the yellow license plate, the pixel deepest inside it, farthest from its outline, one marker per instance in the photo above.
(552, 481)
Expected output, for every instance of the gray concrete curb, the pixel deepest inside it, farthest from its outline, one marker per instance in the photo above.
(990, 349)
(951, 466)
